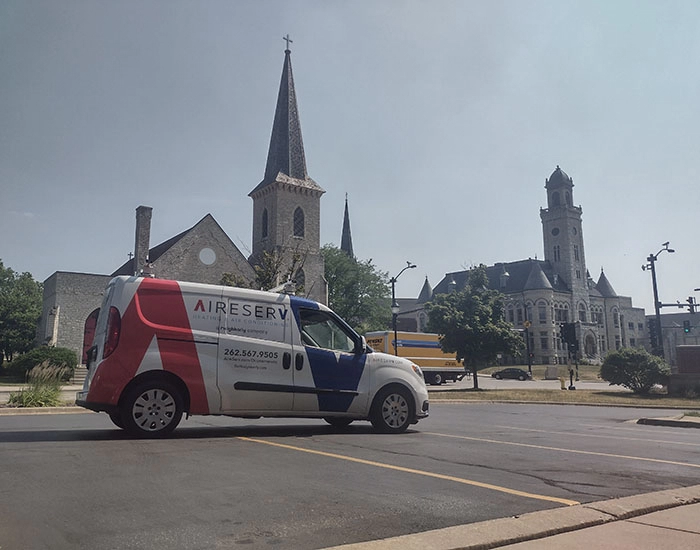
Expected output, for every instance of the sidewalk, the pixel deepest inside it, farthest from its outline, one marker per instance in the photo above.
(654, 521)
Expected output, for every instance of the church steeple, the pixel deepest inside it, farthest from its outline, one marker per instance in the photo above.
(287, 202)
(285, 158)
(346, 237)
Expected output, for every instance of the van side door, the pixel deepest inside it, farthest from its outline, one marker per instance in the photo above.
(329, 365)
(255, 371)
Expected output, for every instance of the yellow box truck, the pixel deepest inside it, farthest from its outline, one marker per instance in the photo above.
(423, 349)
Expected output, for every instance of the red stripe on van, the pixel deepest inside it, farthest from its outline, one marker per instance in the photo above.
(157, 309)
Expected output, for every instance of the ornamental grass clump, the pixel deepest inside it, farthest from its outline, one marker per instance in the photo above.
(43, 387)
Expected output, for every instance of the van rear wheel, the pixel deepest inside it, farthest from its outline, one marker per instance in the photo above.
(392, 410)
(152, 409)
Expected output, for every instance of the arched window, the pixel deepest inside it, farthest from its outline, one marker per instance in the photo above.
(582, 313)
(264, 224)
(298, 222)
(568, 199)
(89, 333)
(555, 199)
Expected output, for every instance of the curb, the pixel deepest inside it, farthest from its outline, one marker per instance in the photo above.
(534, 525)
(16, 411)
(672, 422)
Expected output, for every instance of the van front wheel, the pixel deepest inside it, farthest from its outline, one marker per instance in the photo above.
(392, 410)
(152, 409)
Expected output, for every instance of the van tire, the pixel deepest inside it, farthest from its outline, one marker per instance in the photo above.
(152, 409)
(338, 422)
(392, 410)
(437, 379)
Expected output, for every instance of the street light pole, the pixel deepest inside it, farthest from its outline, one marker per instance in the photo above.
(395, 305)
(659, 347)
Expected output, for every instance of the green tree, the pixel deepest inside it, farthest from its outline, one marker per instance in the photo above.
(20, 310)
(472, 325)
(357, 290)
(273, 268)
(635, 369)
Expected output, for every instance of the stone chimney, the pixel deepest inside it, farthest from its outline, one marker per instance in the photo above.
(143, 238)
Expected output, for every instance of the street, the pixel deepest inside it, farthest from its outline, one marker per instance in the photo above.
(75, 481)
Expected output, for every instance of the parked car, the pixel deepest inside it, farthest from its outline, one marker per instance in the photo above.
(518, 374)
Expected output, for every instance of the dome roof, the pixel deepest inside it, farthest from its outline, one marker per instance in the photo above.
(559, 178)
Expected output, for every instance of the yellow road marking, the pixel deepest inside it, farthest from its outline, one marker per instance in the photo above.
(578, 434)
(574, 451)
(564, 501)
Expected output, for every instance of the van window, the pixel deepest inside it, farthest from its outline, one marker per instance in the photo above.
(321, 330)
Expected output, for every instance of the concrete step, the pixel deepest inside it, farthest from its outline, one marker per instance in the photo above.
(79, 376)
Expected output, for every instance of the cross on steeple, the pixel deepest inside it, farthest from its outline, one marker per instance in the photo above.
(288, 40)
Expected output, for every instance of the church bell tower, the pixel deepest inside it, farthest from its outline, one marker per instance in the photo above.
(287, 202)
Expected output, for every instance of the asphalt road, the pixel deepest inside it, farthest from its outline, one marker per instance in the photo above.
(75, 481)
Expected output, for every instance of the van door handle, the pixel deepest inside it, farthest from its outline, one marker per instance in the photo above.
(299, 361)
(286, 360)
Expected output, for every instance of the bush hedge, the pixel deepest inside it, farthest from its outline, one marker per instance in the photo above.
(61, 358)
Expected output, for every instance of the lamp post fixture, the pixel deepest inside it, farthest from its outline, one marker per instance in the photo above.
(395, 305)
(659, 344)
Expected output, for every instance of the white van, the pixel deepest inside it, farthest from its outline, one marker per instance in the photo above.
(163, 348)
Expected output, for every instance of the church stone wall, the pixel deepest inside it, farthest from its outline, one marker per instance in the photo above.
(188, 259)
(68, 300)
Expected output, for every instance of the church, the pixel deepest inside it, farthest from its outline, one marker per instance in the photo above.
(286, 227)
(542, 294)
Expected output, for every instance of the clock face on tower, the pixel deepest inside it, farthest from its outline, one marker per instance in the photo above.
(555, 231)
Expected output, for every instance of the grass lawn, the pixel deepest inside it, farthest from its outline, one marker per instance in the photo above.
(585, 372)
(584, 397)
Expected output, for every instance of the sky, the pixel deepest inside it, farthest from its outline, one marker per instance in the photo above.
(439, 119)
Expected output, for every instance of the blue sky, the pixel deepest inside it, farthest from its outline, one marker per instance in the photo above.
(439, 119)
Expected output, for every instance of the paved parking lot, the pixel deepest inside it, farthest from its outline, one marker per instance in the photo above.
(301, 484)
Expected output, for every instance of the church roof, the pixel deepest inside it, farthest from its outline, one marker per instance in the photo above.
(604, 287)
(346, 237)
(286, 161)
(426, 293)
(558, 178)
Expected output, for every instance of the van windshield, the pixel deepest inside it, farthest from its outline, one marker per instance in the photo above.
(320, 329)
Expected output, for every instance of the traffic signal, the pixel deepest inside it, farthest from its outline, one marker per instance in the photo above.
(691, 304)
(686, 326)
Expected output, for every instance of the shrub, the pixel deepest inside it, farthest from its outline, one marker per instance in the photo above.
(61, 358)
(43, 390)
(634, 369)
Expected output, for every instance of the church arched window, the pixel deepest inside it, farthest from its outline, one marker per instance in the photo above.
(298, 222)
(568, 199)
(555, 198)
(264, 224)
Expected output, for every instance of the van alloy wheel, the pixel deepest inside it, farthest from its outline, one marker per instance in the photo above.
(152, 409)
(392, 410)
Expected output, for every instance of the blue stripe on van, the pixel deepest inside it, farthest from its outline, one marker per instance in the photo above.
(336, 380)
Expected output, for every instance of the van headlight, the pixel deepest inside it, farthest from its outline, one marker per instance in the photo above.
(417, 370)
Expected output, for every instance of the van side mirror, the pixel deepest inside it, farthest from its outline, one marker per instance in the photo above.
(361, 346)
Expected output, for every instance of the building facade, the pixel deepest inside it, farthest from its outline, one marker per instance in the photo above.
(540, 295)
